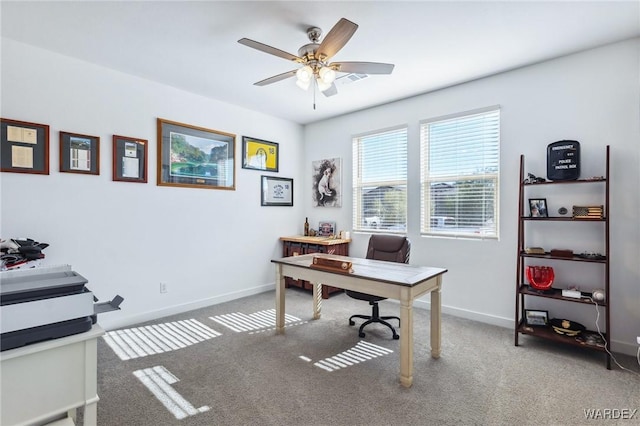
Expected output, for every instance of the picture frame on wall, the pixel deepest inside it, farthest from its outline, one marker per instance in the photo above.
(129, 159)
(258, 154)
(276, 191)
(24, 147)
(79, 153)
(195, 157)
(327, 187)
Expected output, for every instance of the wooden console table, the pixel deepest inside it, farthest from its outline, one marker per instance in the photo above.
(299, 245)
(47, 381)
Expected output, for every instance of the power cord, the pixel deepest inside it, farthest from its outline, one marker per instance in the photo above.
(605, 342)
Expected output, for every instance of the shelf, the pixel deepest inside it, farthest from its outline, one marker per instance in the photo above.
(556, 293)
(558, 182)
(548, 334)
(563, 219)
(573, 258)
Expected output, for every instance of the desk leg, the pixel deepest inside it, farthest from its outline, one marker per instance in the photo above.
(435, 321)
(406, 341)
(279, 300)
(317, 300)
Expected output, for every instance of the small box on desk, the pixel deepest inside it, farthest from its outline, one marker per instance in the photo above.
(335, 265)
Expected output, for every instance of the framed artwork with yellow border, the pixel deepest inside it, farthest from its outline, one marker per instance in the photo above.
(258, 154)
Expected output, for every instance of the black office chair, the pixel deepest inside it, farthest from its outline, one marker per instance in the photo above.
(391, 248)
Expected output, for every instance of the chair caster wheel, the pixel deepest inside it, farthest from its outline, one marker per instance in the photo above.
(361, 334)
(396, 337)
(351, 322)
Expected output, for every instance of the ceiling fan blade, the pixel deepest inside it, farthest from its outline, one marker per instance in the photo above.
(363, 67)
(336, 39)
(333, 90)
(276, 78)
(270, 50)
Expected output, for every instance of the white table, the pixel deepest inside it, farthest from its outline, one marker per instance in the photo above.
(392, 280)
(44, 381)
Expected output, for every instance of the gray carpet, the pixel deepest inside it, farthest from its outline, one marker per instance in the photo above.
(254, 377)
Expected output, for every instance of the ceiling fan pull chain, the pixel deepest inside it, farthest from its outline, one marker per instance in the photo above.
(315, 87)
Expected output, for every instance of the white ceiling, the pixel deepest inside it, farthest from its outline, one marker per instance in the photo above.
(193, 45)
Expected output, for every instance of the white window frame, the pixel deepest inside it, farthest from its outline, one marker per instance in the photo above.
(359, 183)
(431, 225)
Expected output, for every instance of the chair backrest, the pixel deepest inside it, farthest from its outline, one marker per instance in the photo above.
(391, 248)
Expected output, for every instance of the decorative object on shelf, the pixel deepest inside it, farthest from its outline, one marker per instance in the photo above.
(592, 256)
(24, 147)
(536, 317)
(79, 153)
(326, 228)
(566, 327)
(306, 226)
(129, 159)
(531, 178)
(598, 295)
(534, 250)
(258, 154)
(588, 212)
(538, 207)
(590, 338)
(276, 191)
(561, 253)
(540, 277)
(327, 190)
(571, 293)
(195, 157)
(562, 211)
(335, 265)
(563, 160)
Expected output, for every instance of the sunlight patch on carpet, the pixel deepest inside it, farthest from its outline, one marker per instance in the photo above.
(154, 339)
(240, 322)
(362, 351)
(159, 380)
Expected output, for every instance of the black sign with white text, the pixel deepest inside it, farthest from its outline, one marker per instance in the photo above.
(563, 160)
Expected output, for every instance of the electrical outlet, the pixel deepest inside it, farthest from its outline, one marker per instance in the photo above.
(163, 287)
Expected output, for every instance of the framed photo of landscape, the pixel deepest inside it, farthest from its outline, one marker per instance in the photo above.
(259, 155)
(129, 159)
(79, 153)
(24, 147)
(195, 157)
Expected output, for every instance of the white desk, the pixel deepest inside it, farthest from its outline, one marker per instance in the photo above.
(44, 381)
(386, 279)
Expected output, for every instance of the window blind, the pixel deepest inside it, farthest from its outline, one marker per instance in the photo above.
(460, 168)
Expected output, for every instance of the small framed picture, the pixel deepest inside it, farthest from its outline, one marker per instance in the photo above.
(326, 229)
(259, 155)
(276, 191)
(24, 147)
(79, 153)
(532, 317)
(538, 207)
(129, 159)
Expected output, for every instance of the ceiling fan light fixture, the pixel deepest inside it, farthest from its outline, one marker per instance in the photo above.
(304, 85)
(327, 75)
(323, 85)
(304, 74)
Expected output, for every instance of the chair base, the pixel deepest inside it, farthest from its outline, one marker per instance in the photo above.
(375, 318)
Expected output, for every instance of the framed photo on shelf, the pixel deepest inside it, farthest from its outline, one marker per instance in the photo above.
(326, 229)
(79, 153)
(536, 318)
(538, 207)
(24, 147)
(258, 154)
(129, 159)
(276, 191)
(195, 157)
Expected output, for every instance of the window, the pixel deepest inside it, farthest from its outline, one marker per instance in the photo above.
(380, 181)
(460, 167)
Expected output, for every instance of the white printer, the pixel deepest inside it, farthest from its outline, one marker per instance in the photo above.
(46, 303)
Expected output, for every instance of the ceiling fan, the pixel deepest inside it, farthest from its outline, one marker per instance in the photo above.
(314, 58)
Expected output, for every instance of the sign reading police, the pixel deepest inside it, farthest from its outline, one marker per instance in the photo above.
(563, 160)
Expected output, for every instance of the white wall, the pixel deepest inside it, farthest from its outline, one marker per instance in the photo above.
(591, 97)
(126, 238)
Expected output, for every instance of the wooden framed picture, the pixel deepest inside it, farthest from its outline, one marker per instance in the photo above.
(538, 207)
(258, 154)
(276, 191)
(24, 147)
(535, 317)
(195, 157)
(129, 159)
(326, 228)
(79, 153)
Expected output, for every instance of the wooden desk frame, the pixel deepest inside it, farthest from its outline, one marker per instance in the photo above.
(386, 279)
